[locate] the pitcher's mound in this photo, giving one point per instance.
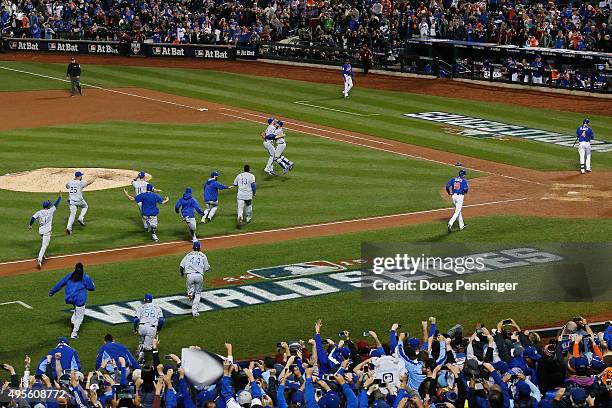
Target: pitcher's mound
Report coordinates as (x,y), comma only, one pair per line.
(54,179)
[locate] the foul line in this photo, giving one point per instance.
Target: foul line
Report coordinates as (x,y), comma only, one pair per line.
(296,228)
(305,103)
(17,302)
(108,90)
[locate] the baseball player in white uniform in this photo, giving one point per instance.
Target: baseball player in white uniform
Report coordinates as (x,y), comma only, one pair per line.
(45,225)
(281,145)
(75,199)
(194,264)
(148,320)
(245,182)
(268,138)
(457,188)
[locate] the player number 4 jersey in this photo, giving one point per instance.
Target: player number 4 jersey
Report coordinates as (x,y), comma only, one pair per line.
(75,190)
(195,262)
(244,181)
(584,134)
(45,220)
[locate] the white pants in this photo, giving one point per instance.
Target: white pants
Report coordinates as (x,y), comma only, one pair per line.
(194,284)
(140,212)
(514,77)
(280,158)
(211,209)
(348,84)
(458,203)
(249,209)
(73,210)
(584,151)
(147,333)
(150,222)
(46,238)
(77,318)
(536,79)
(191,225)
(269,146)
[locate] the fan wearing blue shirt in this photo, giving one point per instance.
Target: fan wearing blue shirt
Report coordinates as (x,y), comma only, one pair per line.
(457,188)
(148,208)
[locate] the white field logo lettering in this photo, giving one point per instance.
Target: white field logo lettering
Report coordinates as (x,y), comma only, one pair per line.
(478,127)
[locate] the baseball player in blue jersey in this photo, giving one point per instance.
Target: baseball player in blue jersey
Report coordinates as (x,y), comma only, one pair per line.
(457,188)
(281,145)
(187,205)
(211,195)
(537,69)
(347,76)
(268,138)
(584,135)
(148,208)
(77,284)
(45,225)
(194,265)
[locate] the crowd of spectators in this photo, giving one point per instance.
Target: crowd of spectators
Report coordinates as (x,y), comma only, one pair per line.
(579,25)
(500,367)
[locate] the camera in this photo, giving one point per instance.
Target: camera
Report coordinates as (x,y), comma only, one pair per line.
(506,322)
(366,334)
(124,391)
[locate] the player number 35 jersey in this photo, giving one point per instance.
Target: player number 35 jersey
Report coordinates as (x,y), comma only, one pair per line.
(149,314)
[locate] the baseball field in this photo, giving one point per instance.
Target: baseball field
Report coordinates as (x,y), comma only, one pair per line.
(370,168)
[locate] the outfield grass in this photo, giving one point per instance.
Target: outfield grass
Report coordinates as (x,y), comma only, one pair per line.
(255,329)
(325,186)
(229,88)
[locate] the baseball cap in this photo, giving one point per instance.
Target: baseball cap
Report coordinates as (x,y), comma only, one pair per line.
(414,343)
(270,120)
(472,366)
(501,366)
(148,298)
(532,353)
(196,245)
(244,398)
(78,174)
(188,190)
(376,353)
(586,121)
(46,204)
(149,187)
(461,172)
(141,174)
(62,340)
(523,389)
(331,400)
(297,398)
(214,173)
(579,363)
(280,123)
(578,396)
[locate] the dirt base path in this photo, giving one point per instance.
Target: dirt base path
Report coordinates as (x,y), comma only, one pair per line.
(506,190)
(437,87)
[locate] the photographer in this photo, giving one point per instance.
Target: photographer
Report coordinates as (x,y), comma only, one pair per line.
(481,394)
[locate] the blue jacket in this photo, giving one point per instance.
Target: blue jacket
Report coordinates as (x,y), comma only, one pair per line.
(149,202)
(76,292)
(188,206)
(112,350)
(211,189)
(70,359)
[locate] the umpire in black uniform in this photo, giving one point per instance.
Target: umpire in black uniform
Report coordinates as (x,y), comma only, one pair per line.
(73,73)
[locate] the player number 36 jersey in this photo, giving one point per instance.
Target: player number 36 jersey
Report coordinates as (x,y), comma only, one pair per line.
(149,314)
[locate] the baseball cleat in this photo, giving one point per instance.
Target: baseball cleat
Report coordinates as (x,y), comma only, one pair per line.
(81,222)
(39,263)
(449,228)
(195,314)
(74,335)
(238,223)
(461,229)
(203,220)
(248,220)
(69,232)
(154,237)
(589,171)
(582,171)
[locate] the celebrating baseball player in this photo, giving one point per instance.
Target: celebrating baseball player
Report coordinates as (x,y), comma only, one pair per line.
(268,143)
(187,205)
(140,186)
(149,319)
(281,145)
(211,195)
(245,182)
(73,73)
(347,76)
(584,135)
(75,199)
(194,264)
(148,208)
(457,188)
(77,284)
(45,225)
